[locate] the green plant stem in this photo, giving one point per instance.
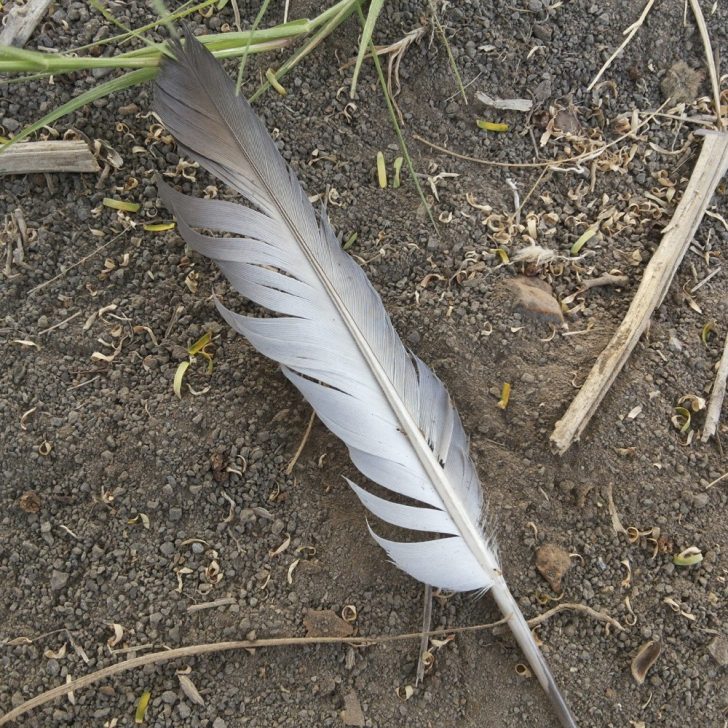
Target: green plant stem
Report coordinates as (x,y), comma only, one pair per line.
(180,13)
(244,57)
(395,123)
(15,60)
(375,8)
(344,9)
(131,78)
(450,57)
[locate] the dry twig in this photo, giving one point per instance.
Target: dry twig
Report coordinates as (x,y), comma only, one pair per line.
(716,481)
(717,395)
(553,164)
(630,33)
(425,641)
(156,658)
(304,440)
(676,238)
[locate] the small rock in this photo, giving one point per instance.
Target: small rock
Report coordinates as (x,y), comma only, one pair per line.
(325,623)
(219,723)
(718,649)
(167,548)
(175,514)
(277,527)
(552,562)
(700,500)
(59,579)
(674,343)
(534,298)
(352,713)
(543,32)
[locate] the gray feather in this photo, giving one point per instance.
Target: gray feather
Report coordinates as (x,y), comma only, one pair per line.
(333,338)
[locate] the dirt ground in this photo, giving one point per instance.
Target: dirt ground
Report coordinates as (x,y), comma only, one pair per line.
(122,504)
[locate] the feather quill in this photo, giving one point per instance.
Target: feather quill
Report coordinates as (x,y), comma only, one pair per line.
(334,340)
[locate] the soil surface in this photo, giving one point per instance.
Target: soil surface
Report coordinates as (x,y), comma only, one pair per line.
(124,507)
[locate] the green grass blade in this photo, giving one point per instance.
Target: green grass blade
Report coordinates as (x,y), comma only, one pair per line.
(450,57)
(244,57)
(344,10)
(98,92)
(366,40)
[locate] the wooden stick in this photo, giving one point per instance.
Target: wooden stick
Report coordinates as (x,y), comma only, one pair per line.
(21,21)
(712,416)
(676,237)
(56,156)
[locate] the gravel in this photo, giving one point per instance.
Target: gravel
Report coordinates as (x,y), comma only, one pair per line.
(122,445)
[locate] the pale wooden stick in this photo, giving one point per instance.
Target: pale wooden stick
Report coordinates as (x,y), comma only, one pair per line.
(677,236)
(55,156)
(712,416)
(21,21)
(709,60)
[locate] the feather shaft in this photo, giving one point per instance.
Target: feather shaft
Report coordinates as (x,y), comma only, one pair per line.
(334,340)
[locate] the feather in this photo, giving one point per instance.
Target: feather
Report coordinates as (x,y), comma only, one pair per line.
(334,340)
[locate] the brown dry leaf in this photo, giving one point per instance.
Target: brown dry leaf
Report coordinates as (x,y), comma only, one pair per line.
(645,659)
(29,502)
(552,562)
(326,623)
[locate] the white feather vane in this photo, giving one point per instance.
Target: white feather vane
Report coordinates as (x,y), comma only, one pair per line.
(333,339)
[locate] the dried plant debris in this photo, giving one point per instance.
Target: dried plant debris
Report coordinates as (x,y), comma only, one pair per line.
(30,502)
(552,562)
(524,105)
(645,659)
(681,84)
